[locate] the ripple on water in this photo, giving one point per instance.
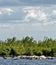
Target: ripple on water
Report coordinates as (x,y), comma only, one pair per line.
(11,61)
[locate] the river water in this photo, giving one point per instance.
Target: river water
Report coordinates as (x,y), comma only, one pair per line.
(11,61)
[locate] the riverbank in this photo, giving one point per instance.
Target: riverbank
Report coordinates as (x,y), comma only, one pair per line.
(29,57)
(35,57)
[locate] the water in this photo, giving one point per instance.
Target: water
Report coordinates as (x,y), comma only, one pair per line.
(11,61)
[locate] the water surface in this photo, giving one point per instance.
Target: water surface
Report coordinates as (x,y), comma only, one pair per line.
(11,61)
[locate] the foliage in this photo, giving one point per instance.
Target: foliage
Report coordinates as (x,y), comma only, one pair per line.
(28,46)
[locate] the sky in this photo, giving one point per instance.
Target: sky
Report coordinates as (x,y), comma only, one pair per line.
(21,18)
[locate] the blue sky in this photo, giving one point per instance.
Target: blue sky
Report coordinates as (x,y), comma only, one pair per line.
(25,2)
(20,18)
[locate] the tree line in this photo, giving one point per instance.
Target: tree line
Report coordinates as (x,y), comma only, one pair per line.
(28,46)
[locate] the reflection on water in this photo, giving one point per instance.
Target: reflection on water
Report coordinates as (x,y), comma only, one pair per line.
(11,61)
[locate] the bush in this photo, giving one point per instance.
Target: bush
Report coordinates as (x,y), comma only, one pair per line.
(12,52)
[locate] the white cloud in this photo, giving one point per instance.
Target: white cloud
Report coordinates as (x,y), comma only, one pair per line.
(8,11)
(5,26)
(54,12)
(44,15)
(41,15)
(0,12)
(35,13)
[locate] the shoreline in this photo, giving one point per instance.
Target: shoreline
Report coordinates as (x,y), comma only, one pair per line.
(28,57)
(35,57)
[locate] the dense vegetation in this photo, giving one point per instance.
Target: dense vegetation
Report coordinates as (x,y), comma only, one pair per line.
(28,46)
